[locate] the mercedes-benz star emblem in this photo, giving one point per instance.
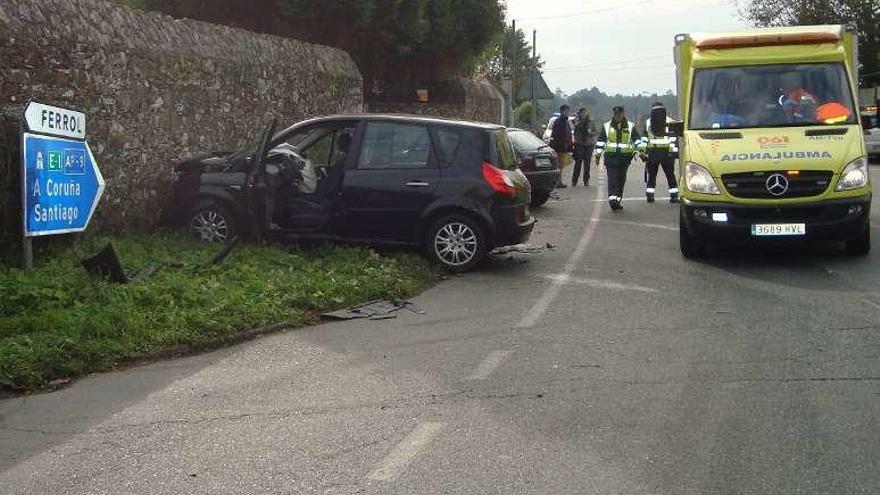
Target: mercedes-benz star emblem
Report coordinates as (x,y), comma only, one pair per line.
(777,184)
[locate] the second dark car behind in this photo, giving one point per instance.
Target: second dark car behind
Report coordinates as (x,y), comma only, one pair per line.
(538,162)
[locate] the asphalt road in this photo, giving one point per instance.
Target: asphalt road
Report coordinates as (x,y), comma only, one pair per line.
(609,365)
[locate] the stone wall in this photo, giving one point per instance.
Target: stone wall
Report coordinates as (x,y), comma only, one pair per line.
(158,90)
(479,101)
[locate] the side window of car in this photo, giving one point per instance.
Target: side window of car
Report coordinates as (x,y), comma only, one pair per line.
(448,142)
(319,151)
(388,145)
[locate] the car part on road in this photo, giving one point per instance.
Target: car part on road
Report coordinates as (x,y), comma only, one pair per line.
(524,249)
(375,310)
(457,242)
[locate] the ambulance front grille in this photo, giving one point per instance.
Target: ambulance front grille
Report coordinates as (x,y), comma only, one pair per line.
(753,185)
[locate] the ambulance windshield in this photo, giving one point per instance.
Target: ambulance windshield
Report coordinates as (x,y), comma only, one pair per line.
(786,95)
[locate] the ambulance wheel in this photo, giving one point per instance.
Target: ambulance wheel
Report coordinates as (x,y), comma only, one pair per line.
(691,248)
(860,245)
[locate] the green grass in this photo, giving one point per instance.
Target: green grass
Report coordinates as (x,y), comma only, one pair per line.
(57,321)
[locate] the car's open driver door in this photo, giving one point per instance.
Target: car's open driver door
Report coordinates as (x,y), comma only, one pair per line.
(260,192)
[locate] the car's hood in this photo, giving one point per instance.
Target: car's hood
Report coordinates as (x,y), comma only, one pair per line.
(794,148)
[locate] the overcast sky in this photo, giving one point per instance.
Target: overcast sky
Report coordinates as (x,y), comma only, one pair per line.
(623,46)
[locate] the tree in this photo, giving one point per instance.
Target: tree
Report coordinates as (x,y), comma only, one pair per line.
(390,40)
(863,14)
(524,115)
(509,54)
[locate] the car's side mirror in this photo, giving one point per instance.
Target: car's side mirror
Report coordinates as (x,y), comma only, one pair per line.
(676,128)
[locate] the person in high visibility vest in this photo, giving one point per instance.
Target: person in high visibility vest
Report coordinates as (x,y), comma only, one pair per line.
(618,142)
(661,150)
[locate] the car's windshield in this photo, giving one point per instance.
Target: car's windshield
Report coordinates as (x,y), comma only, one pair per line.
(771,96)
(525,140)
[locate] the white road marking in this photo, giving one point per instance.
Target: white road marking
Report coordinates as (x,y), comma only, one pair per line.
(640,224)
(540,307)
(394,463)
(601,284)
(603,200)
(490,364)
(871,303)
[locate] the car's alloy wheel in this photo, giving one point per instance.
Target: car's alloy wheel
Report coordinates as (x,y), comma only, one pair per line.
(211,225)
(457,243)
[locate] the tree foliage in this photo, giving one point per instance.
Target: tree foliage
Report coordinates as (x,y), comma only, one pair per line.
(509,54)
(863,14)
(389,39)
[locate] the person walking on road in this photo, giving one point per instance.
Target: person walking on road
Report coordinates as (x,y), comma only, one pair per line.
(584,141)
(561,140)
(617,142)
(660,150)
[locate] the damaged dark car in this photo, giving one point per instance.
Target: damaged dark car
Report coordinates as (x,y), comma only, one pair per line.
(450,188)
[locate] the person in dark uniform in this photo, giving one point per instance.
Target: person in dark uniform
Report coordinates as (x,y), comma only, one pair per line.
(584,141)
(660,150)
(561,140)
(617,142)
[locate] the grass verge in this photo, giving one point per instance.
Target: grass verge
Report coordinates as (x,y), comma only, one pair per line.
(59,322)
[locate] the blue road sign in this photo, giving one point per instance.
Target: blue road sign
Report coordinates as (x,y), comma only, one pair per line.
(61,184)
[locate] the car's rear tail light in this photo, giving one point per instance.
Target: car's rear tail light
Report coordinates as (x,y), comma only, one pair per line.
(498,179)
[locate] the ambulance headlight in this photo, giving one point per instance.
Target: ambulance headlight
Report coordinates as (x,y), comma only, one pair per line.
(854,175)
(699,180)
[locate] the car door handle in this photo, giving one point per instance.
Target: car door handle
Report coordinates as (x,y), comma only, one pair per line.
(418,183)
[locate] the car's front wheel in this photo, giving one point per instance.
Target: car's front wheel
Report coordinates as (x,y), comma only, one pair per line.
(212,222)
(457,242)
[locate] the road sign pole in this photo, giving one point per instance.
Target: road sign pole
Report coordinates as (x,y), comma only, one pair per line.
(27,253)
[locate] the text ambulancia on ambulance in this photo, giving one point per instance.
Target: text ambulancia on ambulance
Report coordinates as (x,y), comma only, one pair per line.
(772,142)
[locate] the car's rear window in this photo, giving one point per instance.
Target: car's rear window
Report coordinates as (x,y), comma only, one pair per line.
(525,140)
(502,155)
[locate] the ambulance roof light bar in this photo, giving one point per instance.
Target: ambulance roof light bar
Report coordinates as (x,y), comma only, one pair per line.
(774,39)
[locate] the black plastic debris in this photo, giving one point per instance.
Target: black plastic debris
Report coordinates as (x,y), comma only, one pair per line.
(377,310)
(106,264)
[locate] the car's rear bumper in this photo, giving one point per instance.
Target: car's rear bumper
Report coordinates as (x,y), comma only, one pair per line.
(543,181)
(513,224)
(837,220)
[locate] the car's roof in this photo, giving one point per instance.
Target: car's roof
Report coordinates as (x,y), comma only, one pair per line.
(400,117)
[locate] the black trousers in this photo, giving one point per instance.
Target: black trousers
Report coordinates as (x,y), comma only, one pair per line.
(583,155)
(657,159)
(616,165)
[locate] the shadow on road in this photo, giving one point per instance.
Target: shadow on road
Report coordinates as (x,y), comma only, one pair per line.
(814,266)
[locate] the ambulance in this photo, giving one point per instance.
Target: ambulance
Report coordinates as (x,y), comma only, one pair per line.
(772,146)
